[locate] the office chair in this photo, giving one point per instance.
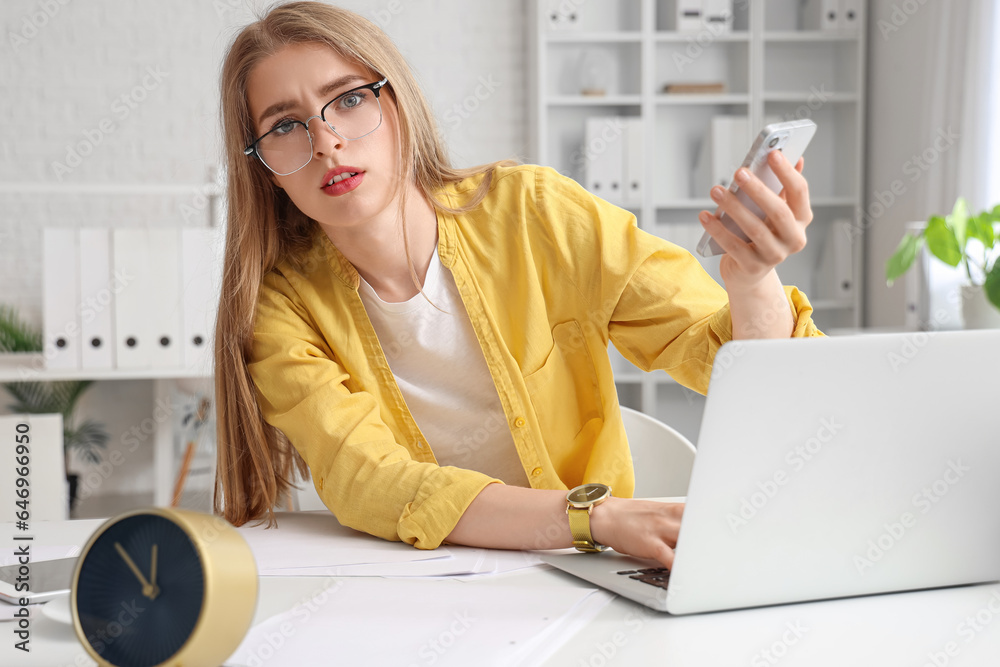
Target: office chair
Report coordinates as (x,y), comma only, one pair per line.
(661,456)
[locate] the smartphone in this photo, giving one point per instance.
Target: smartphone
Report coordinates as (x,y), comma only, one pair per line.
(791,138)
(47,579)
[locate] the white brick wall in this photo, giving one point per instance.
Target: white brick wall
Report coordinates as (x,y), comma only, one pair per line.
(130,87)
(119,91)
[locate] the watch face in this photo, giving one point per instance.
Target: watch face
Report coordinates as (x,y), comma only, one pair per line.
(588,493)
(140,591)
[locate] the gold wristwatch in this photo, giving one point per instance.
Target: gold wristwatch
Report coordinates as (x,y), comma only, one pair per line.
(579,502)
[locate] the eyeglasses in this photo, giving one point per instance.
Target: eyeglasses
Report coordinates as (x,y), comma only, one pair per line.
(288,146)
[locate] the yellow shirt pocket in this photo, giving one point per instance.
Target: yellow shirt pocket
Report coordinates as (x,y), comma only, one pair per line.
(566,395)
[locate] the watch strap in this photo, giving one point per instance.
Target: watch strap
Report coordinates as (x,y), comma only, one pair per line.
(579,527)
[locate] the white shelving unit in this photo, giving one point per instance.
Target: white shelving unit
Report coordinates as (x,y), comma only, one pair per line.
(770,68)
(31,367)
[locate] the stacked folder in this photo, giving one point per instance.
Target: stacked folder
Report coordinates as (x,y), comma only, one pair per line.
(698,15)
(613,159)
(130,298)
(831,14)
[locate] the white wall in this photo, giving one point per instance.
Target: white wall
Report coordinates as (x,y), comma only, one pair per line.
(125,92)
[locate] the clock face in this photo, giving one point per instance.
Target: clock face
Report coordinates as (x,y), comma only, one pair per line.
(140,591)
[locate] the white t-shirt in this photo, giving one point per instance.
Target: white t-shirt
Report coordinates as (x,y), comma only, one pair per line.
(441,371)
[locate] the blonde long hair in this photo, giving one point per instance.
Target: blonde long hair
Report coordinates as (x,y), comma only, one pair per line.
(256,462)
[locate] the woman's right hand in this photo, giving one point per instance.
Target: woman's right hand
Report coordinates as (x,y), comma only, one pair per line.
(640,528)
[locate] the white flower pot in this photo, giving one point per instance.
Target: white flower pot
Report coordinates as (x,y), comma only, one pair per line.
(977,311)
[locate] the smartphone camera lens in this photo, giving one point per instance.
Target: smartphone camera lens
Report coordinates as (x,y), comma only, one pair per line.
(774,142)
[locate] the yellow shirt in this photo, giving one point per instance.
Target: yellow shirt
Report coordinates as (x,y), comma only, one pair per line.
(548,273)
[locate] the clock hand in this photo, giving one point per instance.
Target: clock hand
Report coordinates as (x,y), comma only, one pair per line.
(152,576)
(135,570)
(147,589)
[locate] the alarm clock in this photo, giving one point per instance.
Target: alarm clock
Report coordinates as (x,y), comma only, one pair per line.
(163,587)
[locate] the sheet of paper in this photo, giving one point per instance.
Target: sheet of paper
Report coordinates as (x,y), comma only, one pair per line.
(418,621)
(316,539)
(499,562)
(465,562)
(546,643)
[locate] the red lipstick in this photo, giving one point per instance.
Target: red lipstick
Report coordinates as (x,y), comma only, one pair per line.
(344,181)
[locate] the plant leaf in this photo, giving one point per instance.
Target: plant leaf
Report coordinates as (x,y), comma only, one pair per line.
(992,285)
(981,228)
(15,334)
(87,439)
(33,397)
(70,392)
(39,398)
(941,241)
(958,222)
(902,259)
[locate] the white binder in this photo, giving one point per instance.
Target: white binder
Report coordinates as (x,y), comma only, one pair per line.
(201,280)
(718,15)
(835,271)
(60,299)
(821,15)
(164,306)
(687,15)
(722,151)
(720,154)
(634,173)
(729,146)
(561,16)
(97,290)
(850,14)
(130,258)
(603,157)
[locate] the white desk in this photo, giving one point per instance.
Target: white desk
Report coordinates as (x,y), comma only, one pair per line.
(883,631)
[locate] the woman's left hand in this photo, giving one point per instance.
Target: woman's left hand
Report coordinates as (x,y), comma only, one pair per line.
(782,232)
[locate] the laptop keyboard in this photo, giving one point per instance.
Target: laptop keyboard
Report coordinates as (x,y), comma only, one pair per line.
(654,576)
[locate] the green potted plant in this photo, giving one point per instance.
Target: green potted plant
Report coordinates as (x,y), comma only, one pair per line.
(89,437)
(960,239)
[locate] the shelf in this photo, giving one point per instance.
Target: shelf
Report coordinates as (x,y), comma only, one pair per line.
(708,204)
(696,98)
(833,202)
(30,368)
(673,37)
(811,36)
(45,187)
(583,101)
(832,304)
(811,98)
(705,203)
(593,37)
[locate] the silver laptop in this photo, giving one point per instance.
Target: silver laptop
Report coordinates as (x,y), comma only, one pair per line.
(832,467)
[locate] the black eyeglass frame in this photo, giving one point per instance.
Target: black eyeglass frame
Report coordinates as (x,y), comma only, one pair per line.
(375,87)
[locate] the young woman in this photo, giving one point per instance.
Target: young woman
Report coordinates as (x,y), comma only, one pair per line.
(431,342)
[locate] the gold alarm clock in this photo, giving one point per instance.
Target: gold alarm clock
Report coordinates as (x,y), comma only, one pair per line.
(163,587)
